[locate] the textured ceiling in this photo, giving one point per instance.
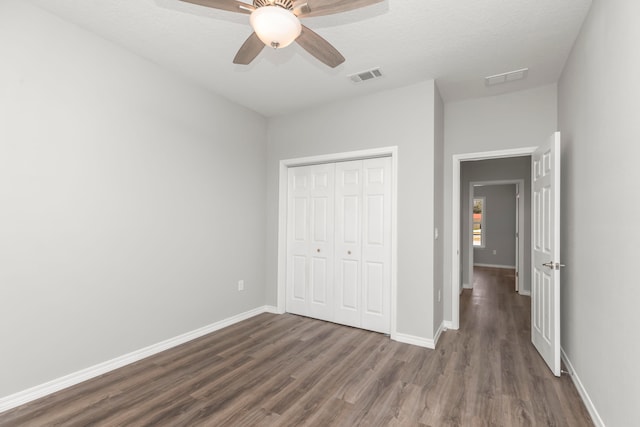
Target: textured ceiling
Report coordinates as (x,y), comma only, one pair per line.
(456,42)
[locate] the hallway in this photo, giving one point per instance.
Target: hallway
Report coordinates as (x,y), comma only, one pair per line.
(505,381)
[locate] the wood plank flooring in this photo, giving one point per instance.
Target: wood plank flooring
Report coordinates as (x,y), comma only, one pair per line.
(293,371)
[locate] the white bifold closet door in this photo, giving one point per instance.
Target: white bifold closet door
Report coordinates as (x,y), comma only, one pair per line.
(339,243)
(310,236)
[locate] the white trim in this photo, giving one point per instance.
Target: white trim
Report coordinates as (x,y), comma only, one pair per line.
(272,309)
(455,245)
(466,286)
(414,340)
(524,293)
(455,221)
(447,324)
(423,342)
(595,416)
(439,332)
(506,267)
(282,218)
(394,241)
(341,157)
(33,393)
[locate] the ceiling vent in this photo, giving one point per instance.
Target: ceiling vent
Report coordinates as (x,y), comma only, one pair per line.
(362,76)
(510,76)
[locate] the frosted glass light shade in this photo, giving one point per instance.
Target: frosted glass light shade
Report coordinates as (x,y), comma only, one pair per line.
(275,26)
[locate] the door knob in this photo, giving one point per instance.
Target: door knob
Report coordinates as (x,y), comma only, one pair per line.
(348,252)
(553,265)
(318,250)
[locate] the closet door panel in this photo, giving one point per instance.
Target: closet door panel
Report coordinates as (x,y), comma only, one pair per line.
(299,278)
(339,243)
(348,231)
(376,245)
(310,216)
(348,297)
(321,283)
(374,291)
(298,240)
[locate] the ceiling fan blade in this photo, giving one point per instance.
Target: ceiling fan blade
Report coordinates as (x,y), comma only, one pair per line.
(310,8)
(319,47)
(249,50)
(230,5)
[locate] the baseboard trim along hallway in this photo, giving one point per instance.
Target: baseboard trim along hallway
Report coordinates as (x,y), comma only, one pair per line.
(595,416)
(414,340)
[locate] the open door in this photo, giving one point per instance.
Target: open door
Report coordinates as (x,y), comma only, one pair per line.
(517,238)
(545,292)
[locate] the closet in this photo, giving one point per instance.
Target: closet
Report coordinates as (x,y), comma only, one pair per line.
(339,243)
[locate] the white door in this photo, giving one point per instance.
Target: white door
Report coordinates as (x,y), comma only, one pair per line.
(348,226)
(376,245)
(545,311)
(339,243)
(517,237)
(363,244)
(310,241)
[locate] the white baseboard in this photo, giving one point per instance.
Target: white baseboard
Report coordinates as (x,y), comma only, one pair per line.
(272,309)
(448,324)
(436,337)
(413,340)
(33,393)
(524,293)
(595,416)
(466,286)
(508,267)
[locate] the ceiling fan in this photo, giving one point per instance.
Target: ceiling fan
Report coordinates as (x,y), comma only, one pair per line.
(276,24)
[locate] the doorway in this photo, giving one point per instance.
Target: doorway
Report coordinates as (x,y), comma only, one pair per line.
(457,270)
(494,217)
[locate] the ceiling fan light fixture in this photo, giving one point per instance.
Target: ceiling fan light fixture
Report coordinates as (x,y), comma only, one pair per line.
(276,27)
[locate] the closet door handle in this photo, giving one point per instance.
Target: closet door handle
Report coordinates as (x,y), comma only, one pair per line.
(348,252)
(318,250)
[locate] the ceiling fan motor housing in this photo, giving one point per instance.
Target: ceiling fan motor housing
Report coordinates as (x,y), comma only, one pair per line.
(285,4)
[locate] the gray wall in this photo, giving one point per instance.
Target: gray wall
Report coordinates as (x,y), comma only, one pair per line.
(514,120)
(598,116)
(118,226)
(496,170)
(500,222)
(403,117)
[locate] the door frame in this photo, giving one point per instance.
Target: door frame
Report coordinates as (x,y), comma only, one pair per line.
(456,285)
(392,152)
(519,183)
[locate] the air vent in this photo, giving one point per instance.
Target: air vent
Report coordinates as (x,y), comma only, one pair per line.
(510,76)
(362,76)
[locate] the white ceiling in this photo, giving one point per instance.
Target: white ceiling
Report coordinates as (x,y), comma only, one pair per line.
(456,42)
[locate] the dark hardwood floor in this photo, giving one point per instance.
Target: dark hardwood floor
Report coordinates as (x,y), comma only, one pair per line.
(289,371)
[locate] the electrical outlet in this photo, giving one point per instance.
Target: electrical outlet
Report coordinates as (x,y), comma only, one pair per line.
(241,285)
(495,252)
